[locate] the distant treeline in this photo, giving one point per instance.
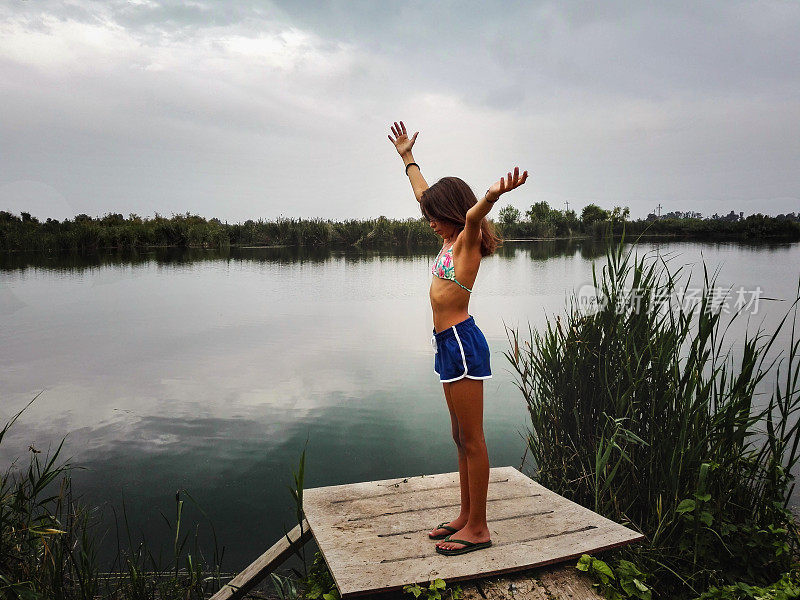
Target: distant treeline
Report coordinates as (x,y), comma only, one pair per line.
(83,233)
(543,221)
(114,231)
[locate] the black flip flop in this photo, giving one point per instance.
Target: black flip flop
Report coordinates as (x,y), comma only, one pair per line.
(468,546)
(442,535)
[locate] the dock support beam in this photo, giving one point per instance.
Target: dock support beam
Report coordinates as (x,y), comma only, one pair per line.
(264,564)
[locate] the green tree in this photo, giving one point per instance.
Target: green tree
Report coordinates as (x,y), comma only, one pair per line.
(540,211)
(509,214)
(619,214)
(592,213)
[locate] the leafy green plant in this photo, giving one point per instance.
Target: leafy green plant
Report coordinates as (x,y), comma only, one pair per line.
(624,581)
(319,582)
(436,590)
(788,586)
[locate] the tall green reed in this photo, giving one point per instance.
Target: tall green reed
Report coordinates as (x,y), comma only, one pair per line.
(297,497)
(315,583)
(638,412)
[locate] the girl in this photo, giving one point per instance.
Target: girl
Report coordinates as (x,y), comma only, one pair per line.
(461,353)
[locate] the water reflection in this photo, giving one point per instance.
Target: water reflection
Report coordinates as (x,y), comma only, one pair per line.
(209,369)
(542,250)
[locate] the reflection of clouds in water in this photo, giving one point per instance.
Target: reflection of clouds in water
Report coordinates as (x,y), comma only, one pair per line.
(204,440)
(150,434)
(106,408)
(118,274)
(303,395)
(261,341)
(210,375)
(185,434)
(285,389)
(9,301)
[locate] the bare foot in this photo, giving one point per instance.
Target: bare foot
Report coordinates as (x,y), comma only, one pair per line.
(456,523)
(476,536)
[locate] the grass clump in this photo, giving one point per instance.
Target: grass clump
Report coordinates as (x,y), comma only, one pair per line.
(638,412)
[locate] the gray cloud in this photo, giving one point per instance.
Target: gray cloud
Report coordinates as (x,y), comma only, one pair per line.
(254,109)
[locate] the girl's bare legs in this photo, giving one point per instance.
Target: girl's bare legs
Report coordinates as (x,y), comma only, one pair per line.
(461,519)
(466,399)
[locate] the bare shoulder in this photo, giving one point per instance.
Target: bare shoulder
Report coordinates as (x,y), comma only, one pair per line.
(469,243)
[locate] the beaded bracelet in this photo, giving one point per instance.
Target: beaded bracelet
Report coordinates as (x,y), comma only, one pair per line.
(412,163)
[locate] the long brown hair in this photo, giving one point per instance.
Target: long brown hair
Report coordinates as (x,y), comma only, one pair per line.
(448,200)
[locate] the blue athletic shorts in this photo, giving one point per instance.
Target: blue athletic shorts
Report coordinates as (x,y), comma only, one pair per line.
(461,351)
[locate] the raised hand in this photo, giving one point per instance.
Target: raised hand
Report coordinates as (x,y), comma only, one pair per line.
(506,184)
(402,141)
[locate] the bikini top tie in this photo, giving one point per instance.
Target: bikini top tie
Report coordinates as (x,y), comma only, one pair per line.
(445,268)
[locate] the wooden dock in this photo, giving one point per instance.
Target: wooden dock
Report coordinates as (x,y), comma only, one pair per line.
(374,535)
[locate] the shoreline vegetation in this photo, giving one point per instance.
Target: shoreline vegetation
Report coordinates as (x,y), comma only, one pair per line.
(642,411)
(113,231)
(637,411)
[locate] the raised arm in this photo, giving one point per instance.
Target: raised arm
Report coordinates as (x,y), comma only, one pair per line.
(475,215)
(403,145)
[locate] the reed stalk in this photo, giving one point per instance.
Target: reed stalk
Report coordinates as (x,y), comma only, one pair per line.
(639,412)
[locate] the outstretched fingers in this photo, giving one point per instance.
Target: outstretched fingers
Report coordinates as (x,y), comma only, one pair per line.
(511,181)
(399,130)
(400,138)
(516,180)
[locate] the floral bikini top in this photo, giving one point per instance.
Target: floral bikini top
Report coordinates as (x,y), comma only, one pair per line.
(444,268)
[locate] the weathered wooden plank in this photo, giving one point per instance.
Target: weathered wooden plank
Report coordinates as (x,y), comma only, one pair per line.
(264,564)
(384,487)
(348,492)
(423,514)
(429,565)
(373,535)
(511,518)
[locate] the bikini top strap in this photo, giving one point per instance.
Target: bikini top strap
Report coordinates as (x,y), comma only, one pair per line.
(454,280)
(438,256)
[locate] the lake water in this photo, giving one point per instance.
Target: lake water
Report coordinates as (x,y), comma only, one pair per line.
(208,370)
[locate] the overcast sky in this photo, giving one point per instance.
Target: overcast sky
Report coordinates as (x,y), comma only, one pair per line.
(241,109)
